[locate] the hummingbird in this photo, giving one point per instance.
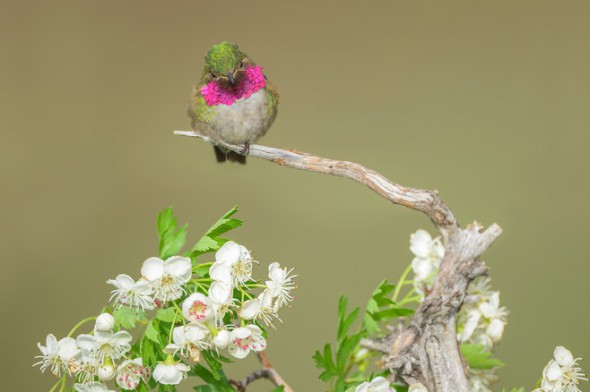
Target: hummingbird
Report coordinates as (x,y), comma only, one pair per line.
(234,102)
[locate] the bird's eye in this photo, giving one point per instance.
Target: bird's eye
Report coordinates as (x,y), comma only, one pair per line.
(212,75)
(241,64)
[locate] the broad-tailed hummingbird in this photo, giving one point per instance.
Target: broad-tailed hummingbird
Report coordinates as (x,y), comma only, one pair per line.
(233,102)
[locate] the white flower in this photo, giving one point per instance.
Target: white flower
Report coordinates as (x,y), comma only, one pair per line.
(167,277)
(481,319)
(221,340)
(562,374)
(104,323)
(103,345)
(280,284)
(134,294)
(170,372)
(428,254)
(86,368)
(58,355)
(233,264)
(92,387)
(480,380)
(220,295)
(378,384)
(189,341)
(196,307)
(244,339)
(417,388)
(130,373)
(106,371)
(260,308)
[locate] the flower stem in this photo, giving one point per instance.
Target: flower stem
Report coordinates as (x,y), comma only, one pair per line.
(401,282)
(58,382)
(80,324)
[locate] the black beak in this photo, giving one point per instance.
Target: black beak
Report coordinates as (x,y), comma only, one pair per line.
(230,76)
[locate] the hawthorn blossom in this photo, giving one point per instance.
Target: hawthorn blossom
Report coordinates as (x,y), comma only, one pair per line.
(220,296)
(104,345)
(428,254)
(92,387)
(170,372)
(480,380)
(378,384)
(131,293)
(244,339)
(233,264)
(104,323)
(221,339)
(58,355)
(197,307)
(280,284)
(481,319)
(86,368)
(260,308)
(189,341)
(130,373)
(167,277)
(562,374)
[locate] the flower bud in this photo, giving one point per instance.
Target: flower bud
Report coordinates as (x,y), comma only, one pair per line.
(221,340)
(105,323)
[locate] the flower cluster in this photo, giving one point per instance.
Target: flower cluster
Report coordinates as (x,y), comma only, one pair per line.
(378,384)
(428,254)
(196,311)
(481,319)
(562,373)
(94,359)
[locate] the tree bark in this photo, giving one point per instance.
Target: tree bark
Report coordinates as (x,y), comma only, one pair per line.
(426,350)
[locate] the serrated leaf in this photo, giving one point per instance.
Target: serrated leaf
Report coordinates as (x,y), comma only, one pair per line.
(205,244)
(148,353)
(342,302)
(372,306)
(345,349)
(224,224)
(172,242)
(370,324)
(346,323)
(280,388)
(166,221)
(127,317)
(389,314)
(168,315)
(478,357)
(152,331)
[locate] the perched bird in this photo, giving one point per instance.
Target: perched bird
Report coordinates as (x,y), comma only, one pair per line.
(233,102)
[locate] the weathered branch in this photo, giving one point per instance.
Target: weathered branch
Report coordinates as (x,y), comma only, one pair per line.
(267,372)
(426,350)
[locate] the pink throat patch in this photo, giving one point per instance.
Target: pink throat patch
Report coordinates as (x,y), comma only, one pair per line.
(253,81)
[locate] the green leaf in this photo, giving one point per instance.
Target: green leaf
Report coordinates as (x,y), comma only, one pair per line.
(280,388)
(345,350)
(171,240)
(346,323)
(148,352)
(126,317)
(166,221)
(224,224)
(370,324)
(168,315)
(204,245)
(152,331)
(166,388)
(392,313)
(478,358)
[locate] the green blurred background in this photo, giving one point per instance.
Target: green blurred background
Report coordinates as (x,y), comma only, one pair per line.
(489,102)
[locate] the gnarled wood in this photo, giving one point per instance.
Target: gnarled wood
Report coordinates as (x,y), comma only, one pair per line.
(426,350)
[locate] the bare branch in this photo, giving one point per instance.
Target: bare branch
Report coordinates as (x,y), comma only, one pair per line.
(426,350)
(267,372)
(426,201)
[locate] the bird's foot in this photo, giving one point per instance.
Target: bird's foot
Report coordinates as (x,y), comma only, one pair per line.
(245,150)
